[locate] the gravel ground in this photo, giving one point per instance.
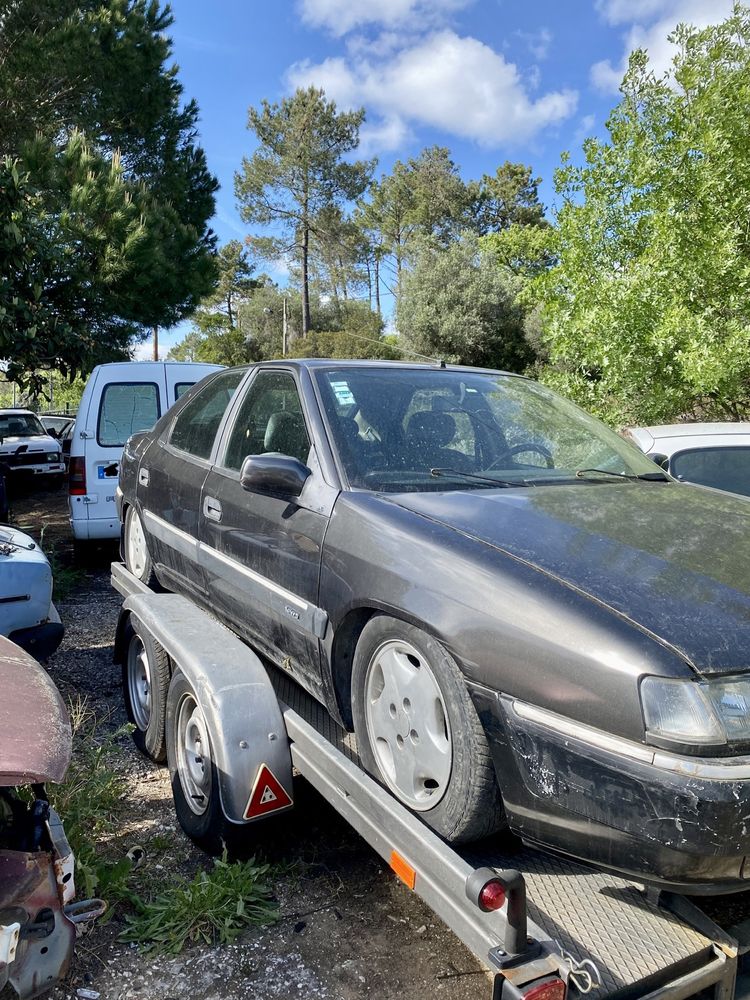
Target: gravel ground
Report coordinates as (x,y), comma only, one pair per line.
(347,929)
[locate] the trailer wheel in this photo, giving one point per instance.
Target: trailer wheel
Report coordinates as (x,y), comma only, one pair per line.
(195,782)
(137,558)
(419,733)
(145,680)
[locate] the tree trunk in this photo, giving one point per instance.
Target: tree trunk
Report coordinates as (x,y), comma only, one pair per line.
(229,312)
(369,283)
(377,285)
(305,266)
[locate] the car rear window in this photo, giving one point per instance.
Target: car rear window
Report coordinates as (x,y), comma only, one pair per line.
(181,388)
(725,468)
(125,409)
(195,428)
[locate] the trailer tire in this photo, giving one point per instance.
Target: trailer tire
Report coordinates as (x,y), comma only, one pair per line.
(137,557)
(145,682)
(418,732)
(193,774)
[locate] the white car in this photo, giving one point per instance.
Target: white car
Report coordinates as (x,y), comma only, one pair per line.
(716,455)
(27,614)
(26,448)
(119,399)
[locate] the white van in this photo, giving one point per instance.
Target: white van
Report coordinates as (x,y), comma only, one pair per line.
(120,399)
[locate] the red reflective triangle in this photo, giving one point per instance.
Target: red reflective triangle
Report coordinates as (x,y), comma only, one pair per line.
(267,796)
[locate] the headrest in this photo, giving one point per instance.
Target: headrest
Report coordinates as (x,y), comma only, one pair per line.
(431,428)
(286,434)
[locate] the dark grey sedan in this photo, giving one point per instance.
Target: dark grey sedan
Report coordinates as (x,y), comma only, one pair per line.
(524,621)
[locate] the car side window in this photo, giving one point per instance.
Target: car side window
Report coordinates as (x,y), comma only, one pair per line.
(195,428)
(269,419)
(125,409)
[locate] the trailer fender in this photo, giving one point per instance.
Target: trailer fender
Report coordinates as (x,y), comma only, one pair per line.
(234,692)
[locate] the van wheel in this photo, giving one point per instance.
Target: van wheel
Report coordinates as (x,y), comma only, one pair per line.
(195,781)
(145,681)
(419,733)
(137,558)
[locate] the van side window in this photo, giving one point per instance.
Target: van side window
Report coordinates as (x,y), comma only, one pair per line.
(195,428)
(181,388)
(126,408)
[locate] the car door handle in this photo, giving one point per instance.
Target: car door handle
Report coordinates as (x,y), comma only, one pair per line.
(143,477)
(211,509)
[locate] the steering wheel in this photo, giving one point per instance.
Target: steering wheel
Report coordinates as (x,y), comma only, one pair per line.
(519,449)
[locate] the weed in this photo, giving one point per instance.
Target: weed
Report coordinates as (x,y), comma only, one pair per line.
(65,578)
(90,802)
(215,907)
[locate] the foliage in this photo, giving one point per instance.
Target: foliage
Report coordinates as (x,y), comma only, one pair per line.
(509,198)
(459,306)
(648,308)
(360,335)
(214,907)
(298,172)
(104,194)
(235,282)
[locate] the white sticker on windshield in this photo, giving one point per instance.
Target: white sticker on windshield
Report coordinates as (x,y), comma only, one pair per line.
(344,395)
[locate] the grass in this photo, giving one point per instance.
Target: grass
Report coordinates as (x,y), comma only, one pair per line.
(215,907)
(65,578)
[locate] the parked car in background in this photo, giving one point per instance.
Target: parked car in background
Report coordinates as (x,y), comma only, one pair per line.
(27,450)
(38,915)
(714,454)
(60,426)
(521,617)
(119,399)
(27,614)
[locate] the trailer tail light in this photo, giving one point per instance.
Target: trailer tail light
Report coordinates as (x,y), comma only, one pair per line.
(492,896)
(552,989)
(77,477)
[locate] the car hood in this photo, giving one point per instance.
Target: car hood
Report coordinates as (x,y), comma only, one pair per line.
(36,743)
(672,559)
(40,442)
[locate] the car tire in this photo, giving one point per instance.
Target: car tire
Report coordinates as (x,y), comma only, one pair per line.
(145,682)
(193,774)
(418,732)
(137,557)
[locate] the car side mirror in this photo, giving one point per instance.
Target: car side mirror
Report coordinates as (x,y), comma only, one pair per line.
(276,475)
(661,460)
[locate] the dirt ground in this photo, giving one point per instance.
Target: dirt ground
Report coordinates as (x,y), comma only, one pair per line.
(347,929)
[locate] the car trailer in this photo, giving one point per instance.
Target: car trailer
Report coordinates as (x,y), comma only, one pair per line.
(543,926)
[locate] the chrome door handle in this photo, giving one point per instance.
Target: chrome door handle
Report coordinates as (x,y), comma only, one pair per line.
(143,477)
(211,509)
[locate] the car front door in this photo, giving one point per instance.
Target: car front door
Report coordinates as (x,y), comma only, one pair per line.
(170,480)
(261,553)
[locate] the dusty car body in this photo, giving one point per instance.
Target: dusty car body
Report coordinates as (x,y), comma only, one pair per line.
(28,615)
(37,913)
(365,525)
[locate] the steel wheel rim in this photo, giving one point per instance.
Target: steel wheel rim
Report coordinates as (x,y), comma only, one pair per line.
(407,725)
(137,551)
(139,683)
(193,755)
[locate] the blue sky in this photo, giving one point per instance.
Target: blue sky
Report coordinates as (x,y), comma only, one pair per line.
(490,79)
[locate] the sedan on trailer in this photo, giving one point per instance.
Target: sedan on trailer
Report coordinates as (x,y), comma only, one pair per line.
(716,455)
(524,621)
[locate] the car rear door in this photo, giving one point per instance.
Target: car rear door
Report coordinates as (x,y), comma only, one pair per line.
(170,479)
(262,554)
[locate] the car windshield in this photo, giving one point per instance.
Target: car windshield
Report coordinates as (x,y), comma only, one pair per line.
(434,429)
(20,425)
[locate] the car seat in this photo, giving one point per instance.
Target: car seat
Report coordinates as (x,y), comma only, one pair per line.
(286,434)
(427,434)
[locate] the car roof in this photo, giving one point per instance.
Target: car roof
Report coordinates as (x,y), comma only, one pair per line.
(16,411)
(313,363)
(695,429)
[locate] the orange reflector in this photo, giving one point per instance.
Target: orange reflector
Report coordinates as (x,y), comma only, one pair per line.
(553,989)
(403,869)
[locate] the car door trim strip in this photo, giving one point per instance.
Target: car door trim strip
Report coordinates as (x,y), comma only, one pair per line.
(287,605)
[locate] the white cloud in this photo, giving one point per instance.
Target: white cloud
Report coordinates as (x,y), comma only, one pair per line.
(457,84)
(585,127)
(651,22)
(537,42)
(341,16)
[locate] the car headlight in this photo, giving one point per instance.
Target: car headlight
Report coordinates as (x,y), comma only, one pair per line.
(53,458)
(702,713)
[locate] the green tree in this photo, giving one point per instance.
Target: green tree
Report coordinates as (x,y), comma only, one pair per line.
(299,170)
(508,198)
(235,281)
(647,312)
(458,305)
(105,196)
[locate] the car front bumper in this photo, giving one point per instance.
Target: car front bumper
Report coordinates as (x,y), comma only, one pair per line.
(679,822)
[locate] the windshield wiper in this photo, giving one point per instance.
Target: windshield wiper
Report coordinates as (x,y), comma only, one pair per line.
(480,479)
(648,477)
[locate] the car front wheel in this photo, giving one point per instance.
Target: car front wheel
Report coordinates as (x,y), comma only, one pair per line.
(137,558)
(419,733)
